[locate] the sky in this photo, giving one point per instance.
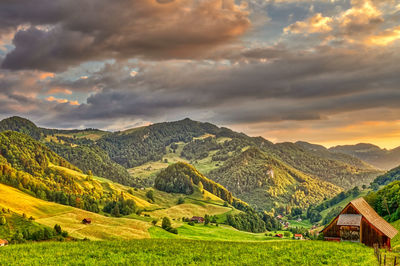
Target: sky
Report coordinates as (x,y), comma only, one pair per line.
(323,71)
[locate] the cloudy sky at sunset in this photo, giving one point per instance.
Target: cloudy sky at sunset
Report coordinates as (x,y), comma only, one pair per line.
(324,71)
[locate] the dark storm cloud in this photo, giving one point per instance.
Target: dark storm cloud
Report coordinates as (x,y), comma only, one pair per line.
(290,86)
(64,33)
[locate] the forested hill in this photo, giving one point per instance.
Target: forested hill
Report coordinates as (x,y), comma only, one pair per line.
(76,146)
(146,150)
(22,125)
(182,178)
(268,183)
(372,154)
(31,167)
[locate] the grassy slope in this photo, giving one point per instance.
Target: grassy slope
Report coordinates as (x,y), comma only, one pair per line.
(70,218)
(151,169)
(344,202)
(106,228)
(172,252)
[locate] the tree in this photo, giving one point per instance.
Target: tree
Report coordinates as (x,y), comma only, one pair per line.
(154,222)
(166,223)
(181,200)
(58,229)
(116,212)
(150,194)
(3,220)
(206,219)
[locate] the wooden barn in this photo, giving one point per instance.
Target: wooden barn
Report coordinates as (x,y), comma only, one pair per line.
(197,219)
(3,242)
(358,222)
(87,221)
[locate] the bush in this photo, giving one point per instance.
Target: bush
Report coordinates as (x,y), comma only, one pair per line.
(191,223)
(150,195)
(3,220)
(166,223)
(181,200)
(173,230)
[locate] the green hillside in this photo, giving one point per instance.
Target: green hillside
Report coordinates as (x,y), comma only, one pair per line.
(134,157)
(268,183)
(33,168)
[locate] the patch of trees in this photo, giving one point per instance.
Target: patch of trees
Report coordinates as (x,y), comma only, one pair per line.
(90,157)
(199,149)
(120,207)
(249,221)
(166,225)
(386,201)
(181,178)
(388,177)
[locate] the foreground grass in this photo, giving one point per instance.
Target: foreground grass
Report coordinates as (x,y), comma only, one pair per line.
(209,232)
(172,252)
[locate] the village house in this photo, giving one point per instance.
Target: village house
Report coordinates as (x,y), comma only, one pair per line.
(87,221)
(298,236)
(3,242)
(358,222)
(197,219)
(279,235)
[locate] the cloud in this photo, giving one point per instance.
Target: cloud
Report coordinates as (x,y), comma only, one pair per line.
(317,23)
(63,33)
(366,22)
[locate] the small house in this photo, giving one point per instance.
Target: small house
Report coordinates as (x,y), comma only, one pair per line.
(197,219)
(3,242)
(358,222)
(279,217)
(279,235)
(298,236)
(87,221)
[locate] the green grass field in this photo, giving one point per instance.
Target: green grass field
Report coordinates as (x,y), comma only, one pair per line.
(188,252)
(209,232)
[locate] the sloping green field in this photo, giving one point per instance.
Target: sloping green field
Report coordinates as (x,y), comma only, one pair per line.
(188,252)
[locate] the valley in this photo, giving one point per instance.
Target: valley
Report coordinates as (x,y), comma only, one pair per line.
(127,183)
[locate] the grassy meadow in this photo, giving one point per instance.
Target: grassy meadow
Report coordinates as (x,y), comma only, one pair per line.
(188,252)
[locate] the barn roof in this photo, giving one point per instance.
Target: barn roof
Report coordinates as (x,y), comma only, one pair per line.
(366,210)
(349,219)
(3,241)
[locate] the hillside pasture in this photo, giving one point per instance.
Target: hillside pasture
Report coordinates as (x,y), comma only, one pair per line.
(70,219)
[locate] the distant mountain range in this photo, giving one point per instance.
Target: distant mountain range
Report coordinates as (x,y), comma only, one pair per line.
(372,154)
(264,174)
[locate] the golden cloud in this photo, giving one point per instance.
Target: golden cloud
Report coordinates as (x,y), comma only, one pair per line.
(60,100)
(315,24)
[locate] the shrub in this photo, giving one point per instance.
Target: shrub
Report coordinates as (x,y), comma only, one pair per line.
(181,200)
(166,223)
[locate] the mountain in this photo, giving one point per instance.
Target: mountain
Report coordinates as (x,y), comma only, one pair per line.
(341,169)
(372,154)
(267,183)
(388,177)
(22,125)
(77,146)
(134,157)
(33,168)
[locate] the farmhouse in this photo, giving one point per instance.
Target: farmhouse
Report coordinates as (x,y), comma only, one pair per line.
(358,222)
(87,221)
(197,219)
(3,242)
(298,236)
